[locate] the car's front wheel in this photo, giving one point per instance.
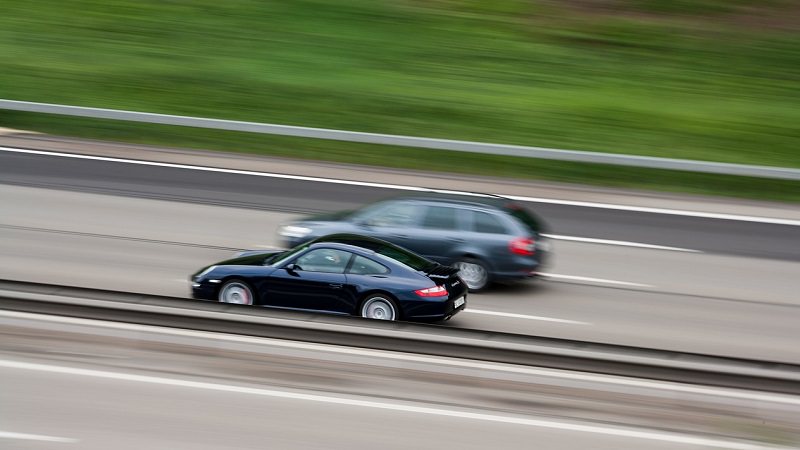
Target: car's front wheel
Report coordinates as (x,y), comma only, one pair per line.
(236,292)
(474,272)
(380,307)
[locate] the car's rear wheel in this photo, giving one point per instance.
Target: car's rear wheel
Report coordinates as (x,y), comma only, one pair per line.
(236,292)
(379,307)
(474,272)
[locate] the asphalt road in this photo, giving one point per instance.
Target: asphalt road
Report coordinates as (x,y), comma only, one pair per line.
(697,302)
(99,385)
(287,195)
(144,229)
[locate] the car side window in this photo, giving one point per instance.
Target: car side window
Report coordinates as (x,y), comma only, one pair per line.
(366,266)
(393,215)
(440,218)
(487,223)
(328,260)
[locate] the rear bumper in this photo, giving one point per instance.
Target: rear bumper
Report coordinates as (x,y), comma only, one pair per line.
(518,267)
(517,272)
(426,311)
(515,276)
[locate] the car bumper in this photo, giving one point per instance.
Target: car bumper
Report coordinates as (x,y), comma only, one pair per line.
(203,291)
(427,311)
(519,267)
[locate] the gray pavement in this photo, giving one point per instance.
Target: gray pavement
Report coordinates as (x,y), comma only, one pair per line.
(703,303)
(244,161)
(145,229)
(294,195)
(95,385)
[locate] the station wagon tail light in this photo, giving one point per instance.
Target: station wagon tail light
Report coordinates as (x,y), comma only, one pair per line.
(436,291)
(522,246)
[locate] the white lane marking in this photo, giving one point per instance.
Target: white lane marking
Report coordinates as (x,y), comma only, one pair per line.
(34,437)
(666,211)
(401,407)
(556,276)
(431,360)
(559,237)
(400,187)
(522,316)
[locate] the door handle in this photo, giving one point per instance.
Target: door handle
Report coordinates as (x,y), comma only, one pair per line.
(336,285)
(455,239)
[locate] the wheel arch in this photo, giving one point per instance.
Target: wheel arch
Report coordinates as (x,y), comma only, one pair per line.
(236,277)
(488,267)
(364,296)
(477,256)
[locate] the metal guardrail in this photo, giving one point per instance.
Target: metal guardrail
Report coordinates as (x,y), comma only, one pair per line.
(411,141)
(399,336)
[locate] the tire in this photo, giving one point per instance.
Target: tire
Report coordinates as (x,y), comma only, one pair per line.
(379,307)
(236,292)
(475,274)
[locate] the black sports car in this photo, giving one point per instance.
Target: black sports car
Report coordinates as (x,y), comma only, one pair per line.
(340,274)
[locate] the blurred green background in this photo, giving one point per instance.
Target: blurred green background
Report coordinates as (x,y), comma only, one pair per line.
(698,79)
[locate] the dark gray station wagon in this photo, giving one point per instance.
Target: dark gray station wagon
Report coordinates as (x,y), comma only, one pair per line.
(488,238)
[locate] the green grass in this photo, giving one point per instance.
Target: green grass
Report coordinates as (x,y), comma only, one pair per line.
(684,83)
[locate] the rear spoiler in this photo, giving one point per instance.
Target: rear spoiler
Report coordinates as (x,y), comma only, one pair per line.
(440,271)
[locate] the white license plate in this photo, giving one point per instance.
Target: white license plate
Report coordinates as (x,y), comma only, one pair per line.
(458,302)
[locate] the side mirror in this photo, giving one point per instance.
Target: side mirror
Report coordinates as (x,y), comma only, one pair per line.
(292,267)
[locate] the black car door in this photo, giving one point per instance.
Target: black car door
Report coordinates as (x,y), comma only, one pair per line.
(314,280)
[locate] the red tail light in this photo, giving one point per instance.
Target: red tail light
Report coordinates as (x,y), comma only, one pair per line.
(522,246)
(436,291)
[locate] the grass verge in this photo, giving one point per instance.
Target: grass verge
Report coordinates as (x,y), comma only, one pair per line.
(706,79)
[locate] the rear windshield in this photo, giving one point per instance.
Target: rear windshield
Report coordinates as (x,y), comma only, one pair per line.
(525,217)
(392,251)
(398,254)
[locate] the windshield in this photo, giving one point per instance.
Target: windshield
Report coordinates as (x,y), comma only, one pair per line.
(366,212)
(280,257)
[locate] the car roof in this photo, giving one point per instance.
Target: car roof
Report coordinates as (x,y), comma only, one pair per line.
(350,241)
(491,201)
(340,246)
(477,199)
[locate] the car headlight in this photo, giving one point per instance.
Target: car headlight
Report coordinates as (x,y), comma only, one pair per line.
(294,231)
(203,273)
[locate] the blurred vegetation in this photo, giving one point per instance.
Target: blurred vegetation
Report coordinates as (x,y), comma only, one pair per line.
(698,79)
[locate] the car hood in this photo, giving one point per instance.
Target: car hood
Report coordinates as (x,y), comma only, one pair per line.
(248,259)
(328,217)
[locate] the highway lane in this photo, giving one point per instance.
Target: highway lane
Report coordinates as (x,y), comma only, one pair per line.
(681,301)
(761,240)
(96,385)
